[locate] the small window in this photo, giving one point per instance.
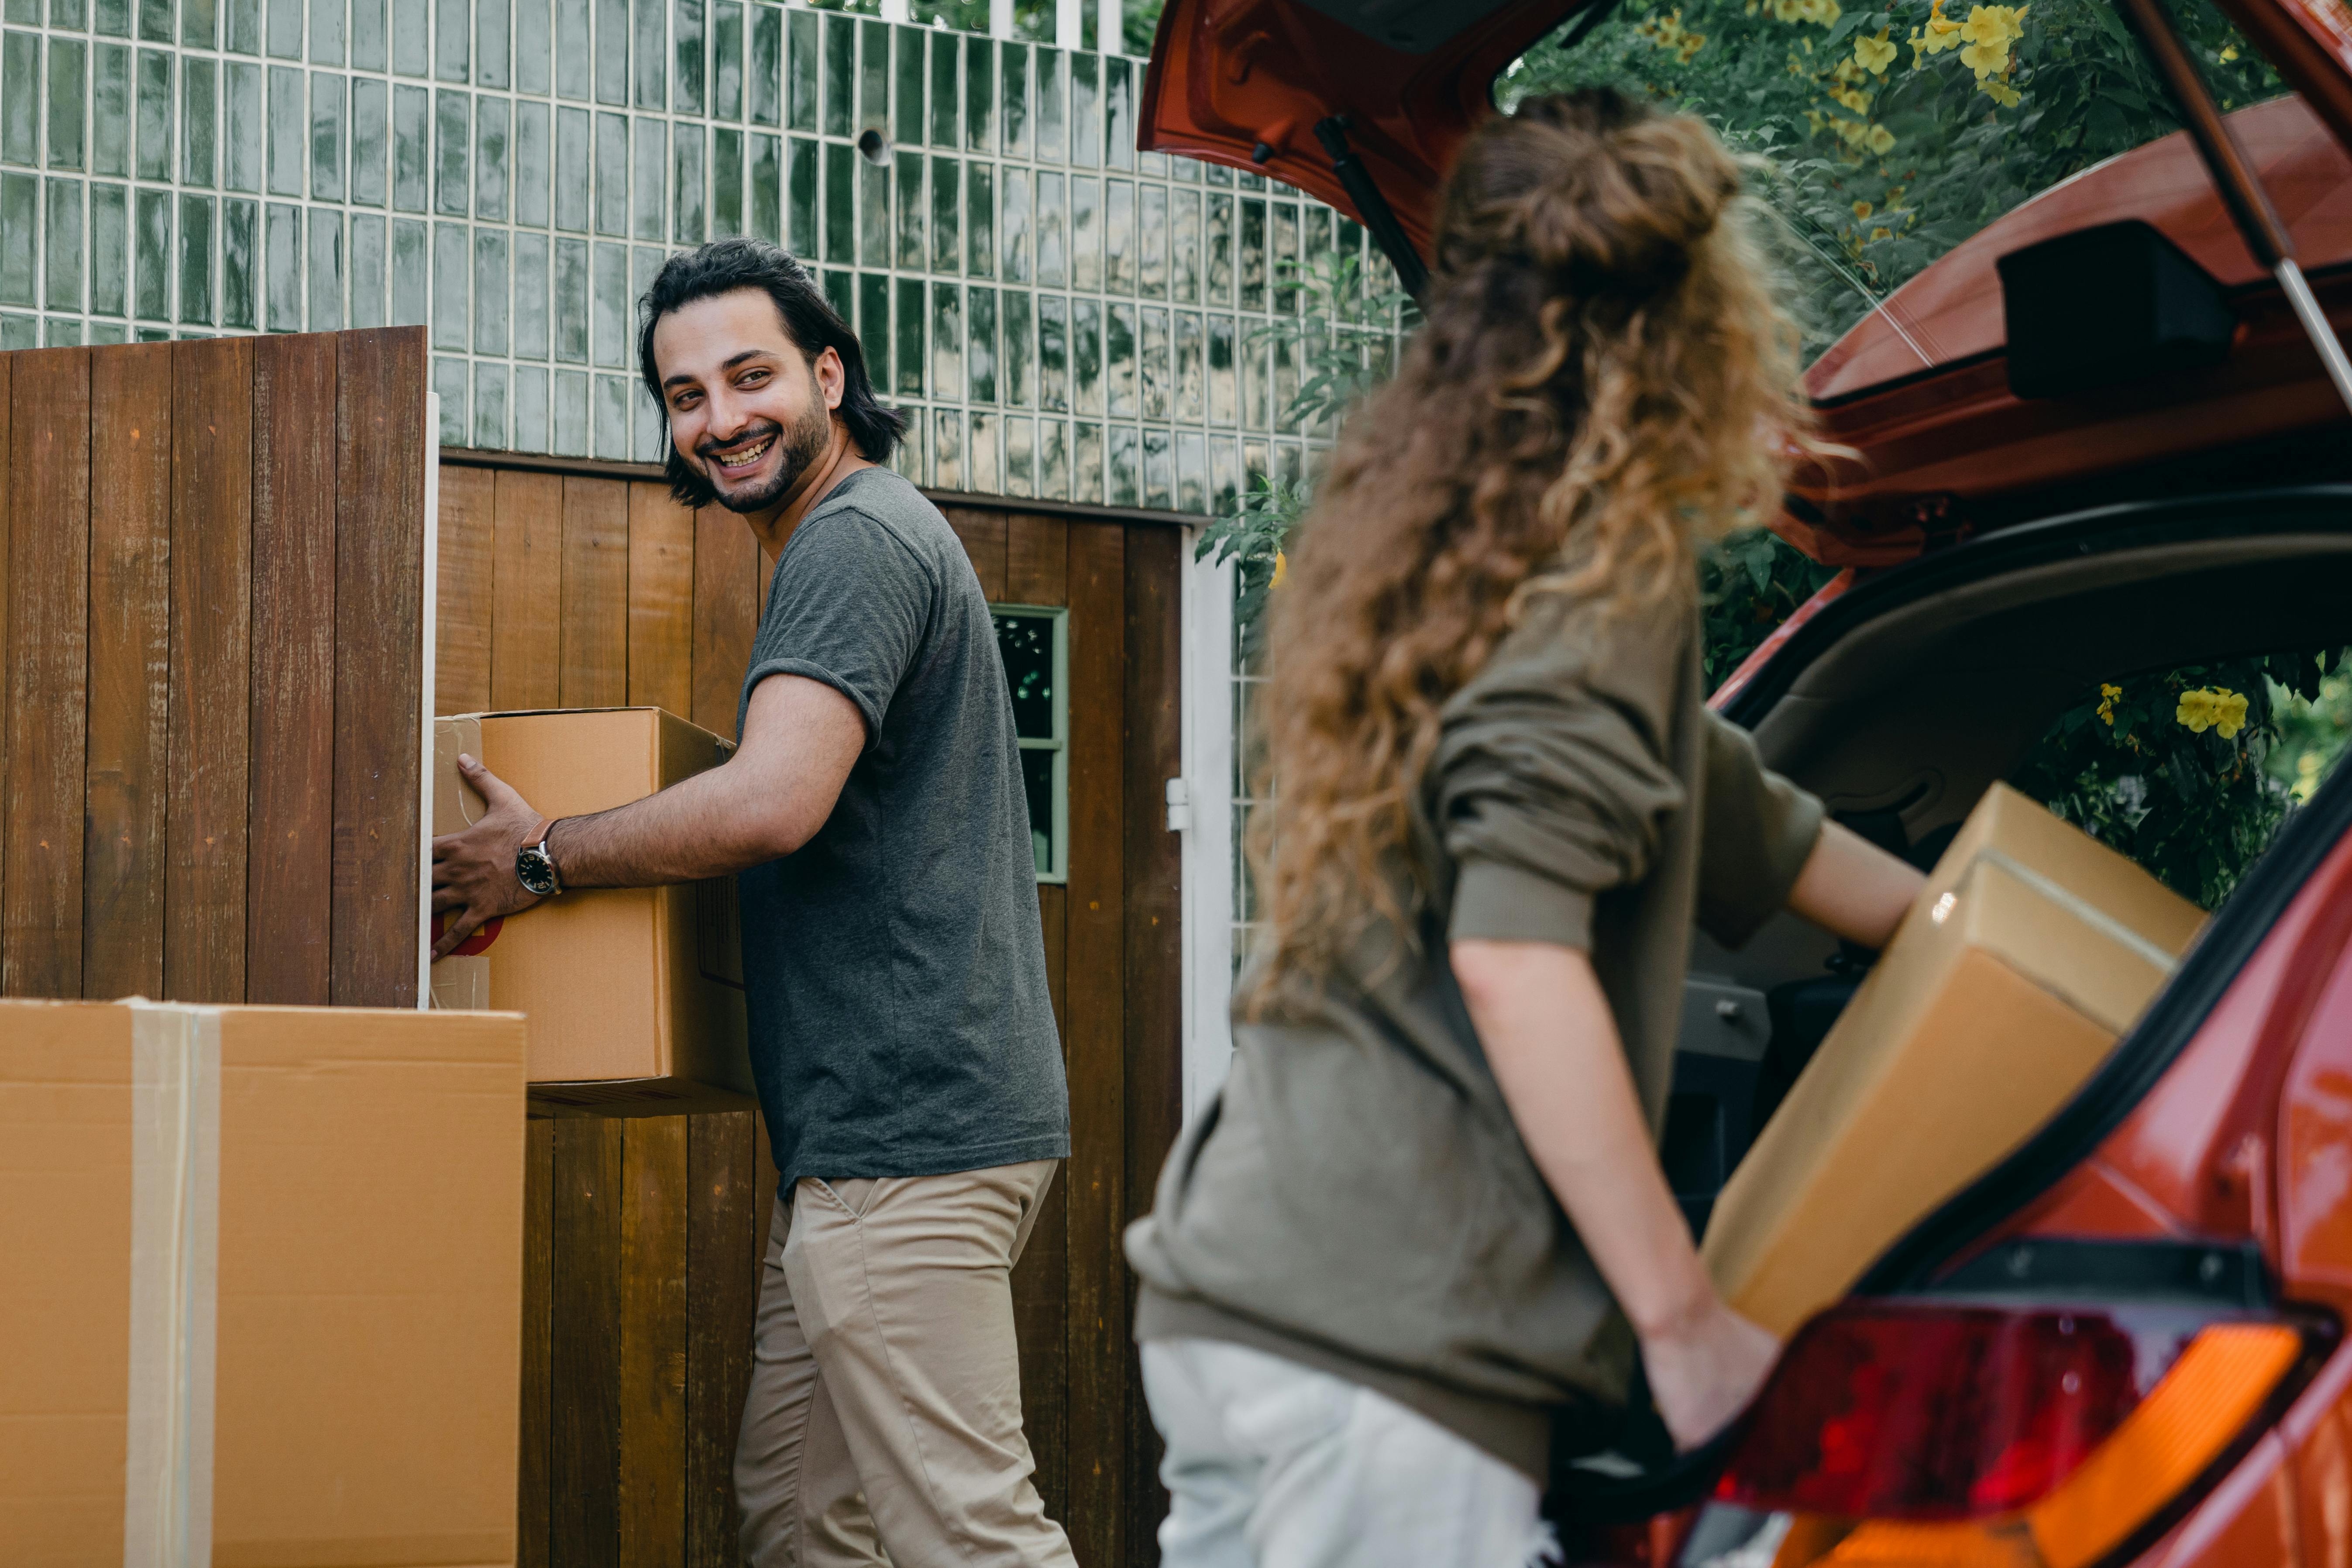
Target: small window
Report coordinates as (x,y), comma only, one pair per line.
(1035,644)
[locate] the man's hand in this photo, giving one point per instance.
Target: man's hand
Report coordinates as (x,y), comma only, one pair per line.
(474,872)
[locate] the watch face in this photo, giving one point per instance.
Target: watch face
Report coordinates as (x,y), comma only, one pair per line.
(534,870)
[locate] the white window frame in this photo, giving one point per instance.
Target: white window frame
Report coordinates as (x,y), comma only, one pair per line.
(1059,873)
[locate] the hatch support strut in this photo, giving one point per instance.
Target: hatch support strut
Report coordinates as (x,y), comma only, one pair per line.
(2233,175)
(1412,276)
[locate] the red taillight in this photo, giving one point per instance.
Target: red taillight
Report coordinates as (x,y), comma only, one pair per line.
(1940,1436)
(1903,1414)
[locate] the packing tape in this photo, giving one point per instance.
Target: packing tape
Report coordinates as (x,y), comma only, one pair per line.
(174,1276)
(2082,910)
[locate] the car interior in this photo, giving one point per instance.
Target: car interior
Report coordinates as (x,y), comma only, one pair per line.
(1920,690)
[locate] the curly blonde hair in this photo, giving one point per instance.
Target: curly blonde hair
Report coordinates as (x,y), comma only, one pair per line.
(1606,381)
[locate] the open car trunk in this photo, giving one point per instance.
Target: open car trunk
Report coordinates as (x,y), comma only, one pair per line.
(1907,697)
(1905,701)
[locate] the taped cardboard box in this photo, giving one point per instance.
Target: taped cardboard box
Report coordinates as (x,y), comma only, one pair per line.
(635,994)
(262,1295)
(2033,948)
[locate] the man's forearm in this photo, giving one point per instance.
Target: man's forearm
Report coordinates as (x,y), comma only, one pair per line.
(698,827)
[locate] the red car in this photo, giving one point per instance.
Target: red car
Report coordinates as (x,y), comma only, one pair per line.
(2124,1341)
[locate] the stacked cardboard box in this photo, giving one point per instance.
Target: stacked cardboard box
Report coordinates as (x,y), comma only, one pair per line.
(260,1285)
(2032,948)
(635,994)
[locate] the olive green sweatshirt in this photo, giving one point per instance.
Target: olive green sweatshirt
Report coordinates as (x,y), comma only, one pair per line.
(1357,1196)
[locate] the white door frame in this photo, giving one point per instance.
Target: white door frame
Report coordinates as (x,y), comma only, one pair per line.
(1207,753)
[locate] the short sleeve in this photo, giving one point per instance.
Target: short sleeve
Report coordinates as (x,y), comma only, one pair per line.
(1550,787)
(1758,831)
(849,606)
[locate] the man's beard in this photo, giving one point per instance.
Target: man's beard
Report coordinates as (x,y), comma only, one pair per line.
(800,447)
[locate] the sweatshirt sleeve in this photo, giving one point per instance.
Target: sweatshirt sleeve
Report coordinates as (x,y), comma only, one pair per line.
(1550,787)
(1758,831)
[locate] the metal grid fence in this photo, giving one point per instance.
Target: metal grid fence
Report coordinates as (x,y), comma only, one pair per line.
(1062,316)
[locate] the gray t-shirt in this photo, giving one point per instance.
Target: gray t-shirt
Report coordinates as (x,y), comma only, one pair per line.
(896,970)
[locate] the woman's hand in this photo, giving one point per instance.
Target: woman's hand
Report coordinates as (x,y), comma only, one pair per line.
(1704,1374)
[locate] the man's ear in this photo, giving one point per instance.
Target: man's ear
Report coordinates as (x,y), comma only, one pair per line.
(831,378)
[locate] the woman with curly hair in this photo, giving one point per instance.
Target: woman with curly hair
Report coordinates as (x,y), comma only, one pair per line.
(1425,1215)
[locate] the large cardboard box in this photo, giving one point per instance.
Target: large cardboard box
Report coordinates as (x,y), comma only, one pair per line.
(260,1285)
(2032,948)
(634,995)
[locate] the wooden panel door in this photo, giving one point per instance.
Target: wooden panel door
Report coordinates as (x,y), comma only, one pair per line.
(1113,948)
(576,588)
(212,610)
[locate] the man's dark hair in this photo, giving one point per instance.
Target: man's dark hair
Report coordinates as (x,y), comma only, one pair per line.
(724,265)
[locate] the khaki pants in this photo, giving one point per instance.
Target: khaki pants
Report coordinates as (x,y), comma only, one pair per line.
(883,1423)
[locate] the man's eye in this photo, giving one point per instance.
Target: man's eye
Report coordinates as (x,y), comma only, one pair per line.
(752,378)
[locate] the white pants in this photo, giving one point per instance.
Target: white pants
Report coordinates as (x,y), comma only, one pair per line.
(1273,1464)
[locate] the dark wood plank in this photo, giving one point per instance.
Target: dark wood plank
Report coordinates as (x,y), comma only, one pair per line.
(48,675)
(534,1499)
(1095,1036)
(721,1306)
(129,673)
(526,573)
(1037,559)
(1041,1280)
(661,601)
(653,1369)
(1041,1321)
(379,697)
(212,671)
(465,611)
(585,1344)
(727,590)
(295,496)
(983,533)
(1153,960)
(595,667)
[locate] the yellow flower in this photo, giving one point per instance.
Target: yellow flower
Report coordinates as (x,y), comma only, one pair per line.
(1874,55)
(1281,569)
(1985,59)
(2306,775)
(1879,140)
(2107,695)
(2229,53)
(1940,34)
(1861,209)
(1853,98)
(2001,92)
(1882,233)
(2212,708)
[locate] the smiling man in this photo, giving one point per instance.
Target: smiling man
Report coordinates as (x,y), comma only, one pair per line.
(902,1036)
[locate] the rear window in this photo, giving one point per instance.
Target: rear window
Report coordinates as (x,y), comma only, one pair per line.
(1896,132)
(2192,771)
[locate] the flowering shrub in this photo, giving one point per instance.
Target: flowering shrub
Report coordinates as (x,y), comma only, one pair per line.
(2191,771)
(1896,131)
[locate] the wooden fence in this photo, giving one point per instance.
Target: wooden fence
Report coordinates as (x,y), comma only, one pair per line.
(214,556)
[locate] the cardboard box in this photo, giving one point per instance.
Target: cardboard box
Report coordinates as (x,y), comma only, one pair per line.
(634,995)
(261,1301)
(2032,948)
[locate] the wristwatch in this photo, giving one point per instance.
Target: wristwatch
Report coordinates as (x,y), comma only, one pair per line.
(535,869)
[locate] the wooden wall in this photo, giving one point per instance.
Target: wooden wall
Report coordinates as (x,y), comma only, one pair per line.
(587,588)
(213,558)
